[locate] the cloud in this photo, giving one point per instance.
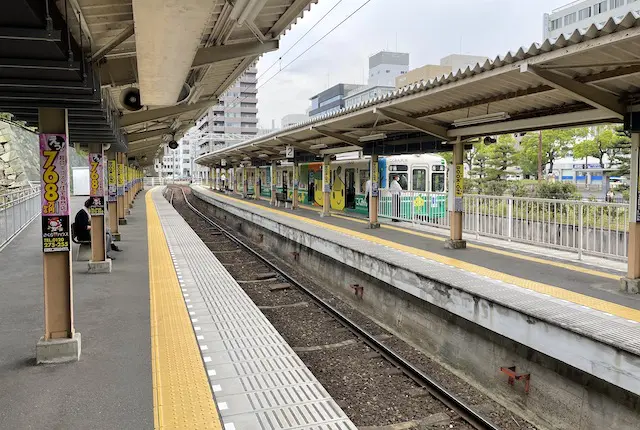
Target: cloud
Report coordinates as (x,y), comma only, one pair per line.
(427,29)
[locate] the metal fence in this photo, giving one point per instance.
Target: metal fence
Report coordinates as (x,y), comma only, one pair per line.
(594,228)
(154,180)
(17,209)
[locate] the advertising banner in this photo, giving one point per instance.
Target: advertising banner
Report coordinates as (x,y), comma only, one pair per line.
(113,181)
(459,190)
(54,178)
(120,180)
(326,177)
(96,183)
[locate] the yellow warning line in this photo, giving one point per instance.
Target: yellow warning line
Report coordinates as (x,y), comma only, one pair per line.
(560,293)
(182,397)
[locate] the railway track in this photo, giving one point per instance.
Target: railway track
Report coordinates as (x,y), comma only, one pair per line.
(457,409)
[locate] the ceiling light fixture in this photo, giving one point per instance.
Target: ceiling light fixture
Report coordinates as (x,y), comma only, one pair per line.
(482,119)
(372,137)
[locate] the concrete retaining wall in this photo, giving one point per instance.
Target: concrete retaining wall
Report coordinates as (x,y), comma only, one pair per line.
(419,309)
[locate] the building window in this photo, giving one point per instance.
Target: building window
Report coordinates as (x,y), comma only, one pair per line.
(616,3)
(556,24)
(584,13)
(600,7)
(570,19)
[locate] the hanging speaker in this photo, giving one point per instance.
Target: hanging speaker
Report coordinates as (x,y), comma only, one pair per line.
(130,99)
(184,93)
(173,144)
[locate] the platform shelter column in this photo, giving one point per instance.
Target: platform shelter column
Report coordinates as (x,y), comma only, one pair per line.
(632,282)
(296,185)
(128,191)
(256,183)
(374,174)
(99,262)
(112,203)
(60,342)
(245,182)
(211,177)
(326,186)
(121,197)
(273,183)
(456,205)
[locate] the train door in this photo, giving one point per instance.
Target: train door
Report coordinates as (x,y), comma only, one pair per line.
(350,183)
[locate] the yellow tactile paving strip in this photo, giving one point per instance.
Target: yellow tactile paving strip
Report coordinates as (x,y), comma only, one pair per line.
(557,292)
(182,397)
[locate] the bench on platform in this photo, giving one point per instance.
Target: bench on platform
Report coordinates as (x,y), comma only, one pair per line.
(84,250)
(282,198)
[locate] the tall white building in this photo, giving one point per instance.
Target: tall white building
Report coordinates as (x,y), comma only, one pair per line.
(579,15)
(384,68)
(234,118)
(176,163)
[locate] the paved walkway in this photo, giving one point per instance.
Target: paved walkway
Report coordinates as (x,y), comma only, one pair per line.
(111,386)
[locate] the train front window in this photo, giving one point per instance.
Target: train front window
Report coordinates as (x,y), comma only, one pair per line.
(437,182)
(419,180)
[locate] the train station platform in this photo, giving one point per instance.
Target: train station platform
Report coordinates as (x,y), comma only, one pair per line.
(170,341)
(569,311)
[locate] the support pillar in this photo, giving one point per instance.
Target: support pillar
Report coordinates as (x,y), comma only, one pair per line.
(326,186)
(60,342)
(99,262)
(112,205)
(456,206)
(631,283)
(211,176)
(274,189)
(256,183)
(121,196)
(128,189)
(245,182)
(296,185)
(374,174)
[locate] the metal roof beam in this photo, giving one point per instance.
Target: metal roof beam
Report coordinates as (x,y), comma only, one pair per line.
(340,150)
(531,124)
(339,136)
(429,128)
(142,135)
(288,17)
(213,54)
(113,43)
(589,94)
(152,114)
(295,144)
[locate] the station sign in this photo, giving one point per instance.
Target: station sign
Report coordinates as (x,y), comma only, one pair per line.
(326,177)
(54,193)
(120,188)
(96,183)
(459,188)
(290,152)
(375,179)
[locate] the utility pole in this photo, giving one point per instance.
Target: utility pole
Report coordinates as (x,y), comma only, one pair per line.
(540,156)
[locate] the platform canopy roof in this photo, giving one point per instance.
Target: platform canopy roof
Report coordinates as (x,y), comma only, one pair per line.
(181,55)
(590,77)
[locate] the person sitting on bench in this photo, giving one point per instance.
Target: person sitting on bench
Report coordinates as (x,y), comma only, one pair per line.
(83,228)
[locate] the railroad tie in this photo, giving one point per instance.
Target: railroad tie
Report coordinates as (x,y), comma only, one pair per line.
(280,287)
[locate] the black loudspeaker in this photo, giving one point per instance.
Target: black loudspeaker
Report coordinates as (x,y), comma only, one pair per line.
(173,144)
(130,99)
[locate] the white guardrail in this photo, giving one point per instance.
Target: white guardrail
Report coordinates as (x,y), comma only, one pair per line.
(594,228)
(17,209)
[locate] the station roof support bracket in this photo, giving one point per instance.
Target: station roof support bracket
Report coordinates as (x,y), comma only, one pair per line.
(142,135)
(589,94)
(339,136)
(153,114)
(126,33)
(432,129)
(213,54)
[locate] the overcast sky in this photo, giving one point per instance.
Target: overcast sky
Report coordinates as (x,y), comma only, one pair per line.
(427,29)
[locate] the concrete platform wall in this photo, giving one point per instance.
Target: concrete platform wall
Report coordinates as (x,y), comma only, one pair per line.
(419,309)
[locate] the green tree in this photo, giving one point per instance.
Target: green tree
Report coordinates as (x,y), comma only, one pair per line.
(480,158)
(603,141)
(621,155)
(555,145)
(501,156)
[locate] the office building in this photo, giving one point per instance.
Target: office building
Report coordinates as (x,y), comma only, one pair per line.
(330,100)
(449,64)
(293,119)
(176,163)
(234,118)
(384,68)
(580,15)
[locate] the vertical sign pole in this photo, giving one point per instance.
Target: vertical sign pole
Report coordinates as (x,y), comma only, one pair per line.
(375,192)
(326,186)
(457,208)
(113,198)
(121,202)
(98,263)
(273,183)
(60,342)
